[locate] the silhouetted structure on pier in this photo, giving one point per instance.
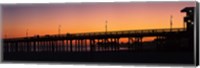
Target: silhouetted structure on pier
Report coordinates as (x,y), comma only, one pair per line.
(189,18)
(189,21)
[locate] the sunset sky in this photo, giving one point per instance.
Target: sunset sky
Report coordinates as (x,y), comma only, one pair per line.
(42,19)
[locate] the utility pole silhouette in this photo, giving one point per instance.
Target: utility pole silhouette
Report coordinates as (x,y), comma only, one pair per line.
(26,32)
(59,30)
(106,26)
(171,22)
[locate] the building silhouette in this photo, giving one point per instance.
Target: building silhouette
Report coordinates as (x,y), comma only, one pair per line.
(189,18)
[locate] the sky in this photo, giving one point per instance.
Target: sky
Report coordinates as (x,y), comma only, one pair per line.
(20,20)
